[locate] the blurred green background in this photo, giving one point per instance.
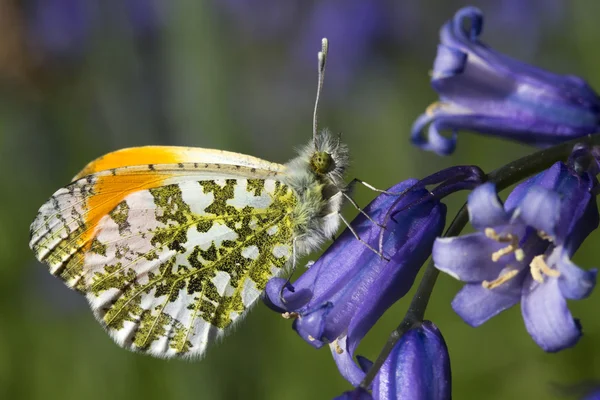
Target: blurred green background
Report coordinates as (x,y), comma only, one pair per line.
(80,78)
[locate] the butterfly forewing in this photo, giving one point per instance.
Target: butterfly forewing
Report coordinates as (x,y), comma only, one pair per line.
(168,261)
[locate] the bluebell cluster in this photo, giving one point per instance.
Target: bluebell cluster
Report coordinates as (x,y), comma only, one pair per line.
(520,252)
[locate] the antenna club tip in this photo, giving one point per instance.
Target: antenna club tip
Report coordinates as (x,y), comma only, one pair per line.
(324,45)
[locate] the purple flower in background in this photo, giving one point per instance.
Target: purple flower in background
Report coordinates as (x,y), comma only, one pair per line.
(60,28)
(485,91)
(353,27)
(349,287)
(524,22)
(522,251)
(145,16)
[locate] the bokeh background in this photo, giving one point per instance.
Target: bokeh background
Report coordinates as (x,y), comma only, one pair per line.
(79,78)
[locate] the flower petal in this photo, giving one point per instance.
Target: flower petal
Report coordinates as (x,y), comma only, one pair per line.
(469,257)
(449,61)
(311,324)
(540,209)
(433,140)
(416,231)
(546,316)
(574,283)
(281,296)
(476,304)
(345,363)
(485,209)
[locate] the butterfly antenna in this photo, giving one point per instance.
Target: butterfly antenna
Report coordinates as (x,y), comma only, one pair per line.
(322,60)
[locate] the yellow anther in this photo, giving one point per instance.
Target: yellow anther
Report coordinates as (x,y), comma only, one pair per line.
(338,349)
(492,234)
(539,268)
(312,339)
(513,247)
(430,110)
(500,280)
(502,252)
(290,315)
(519,254)
(544,236)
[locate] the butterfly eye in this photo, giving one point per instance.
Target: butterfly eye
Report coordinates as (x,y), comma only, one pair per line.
(322,162)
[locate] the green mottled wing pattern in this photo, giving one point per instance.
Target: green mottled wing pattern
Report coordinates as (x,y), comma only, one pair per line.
(170,268)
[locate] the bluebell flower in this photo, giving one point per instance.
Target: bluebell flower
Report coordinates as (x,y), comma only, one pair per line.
(350,286)
(485,91)
(418,368)
(522,250)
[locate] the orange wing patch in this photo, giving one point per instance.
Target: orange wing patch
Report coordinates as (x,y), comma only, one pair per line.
(66,224)
(110,190)
(146,155)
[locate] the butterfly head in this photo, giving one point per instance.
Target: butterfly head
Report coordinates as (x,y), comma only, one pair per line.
(322,163)
(328,157)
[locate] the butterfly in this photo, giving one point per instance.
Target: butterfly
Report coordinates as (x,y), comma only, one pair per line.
(172,245)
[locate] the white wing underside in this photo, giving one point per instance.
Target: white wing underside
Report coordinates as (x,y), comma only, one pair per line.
(145,292)
(141,219)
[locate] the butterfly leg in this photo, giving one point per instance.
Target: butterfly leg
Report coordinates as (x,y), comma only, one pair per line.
(351,200)
(373,188)
(379,253)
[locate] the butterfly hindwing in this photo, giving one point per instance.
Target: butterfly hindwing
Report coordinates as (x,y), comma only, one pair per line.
(168,262)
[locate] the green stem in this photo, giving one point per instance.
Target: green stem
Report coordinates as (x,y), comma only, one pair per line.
(503,177)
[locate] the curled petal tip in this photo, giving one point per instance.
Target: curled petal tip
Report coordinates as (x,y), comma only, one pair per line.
(432,140)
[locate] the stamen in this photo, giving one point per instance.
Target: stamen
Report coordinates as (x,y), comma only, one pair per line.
(500,280)
(539,268)
(492,234)
(290,315)
(544,236)
(312,339)
(338,349)
(430,110)
(502,252)
(513,247)
(519,254)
